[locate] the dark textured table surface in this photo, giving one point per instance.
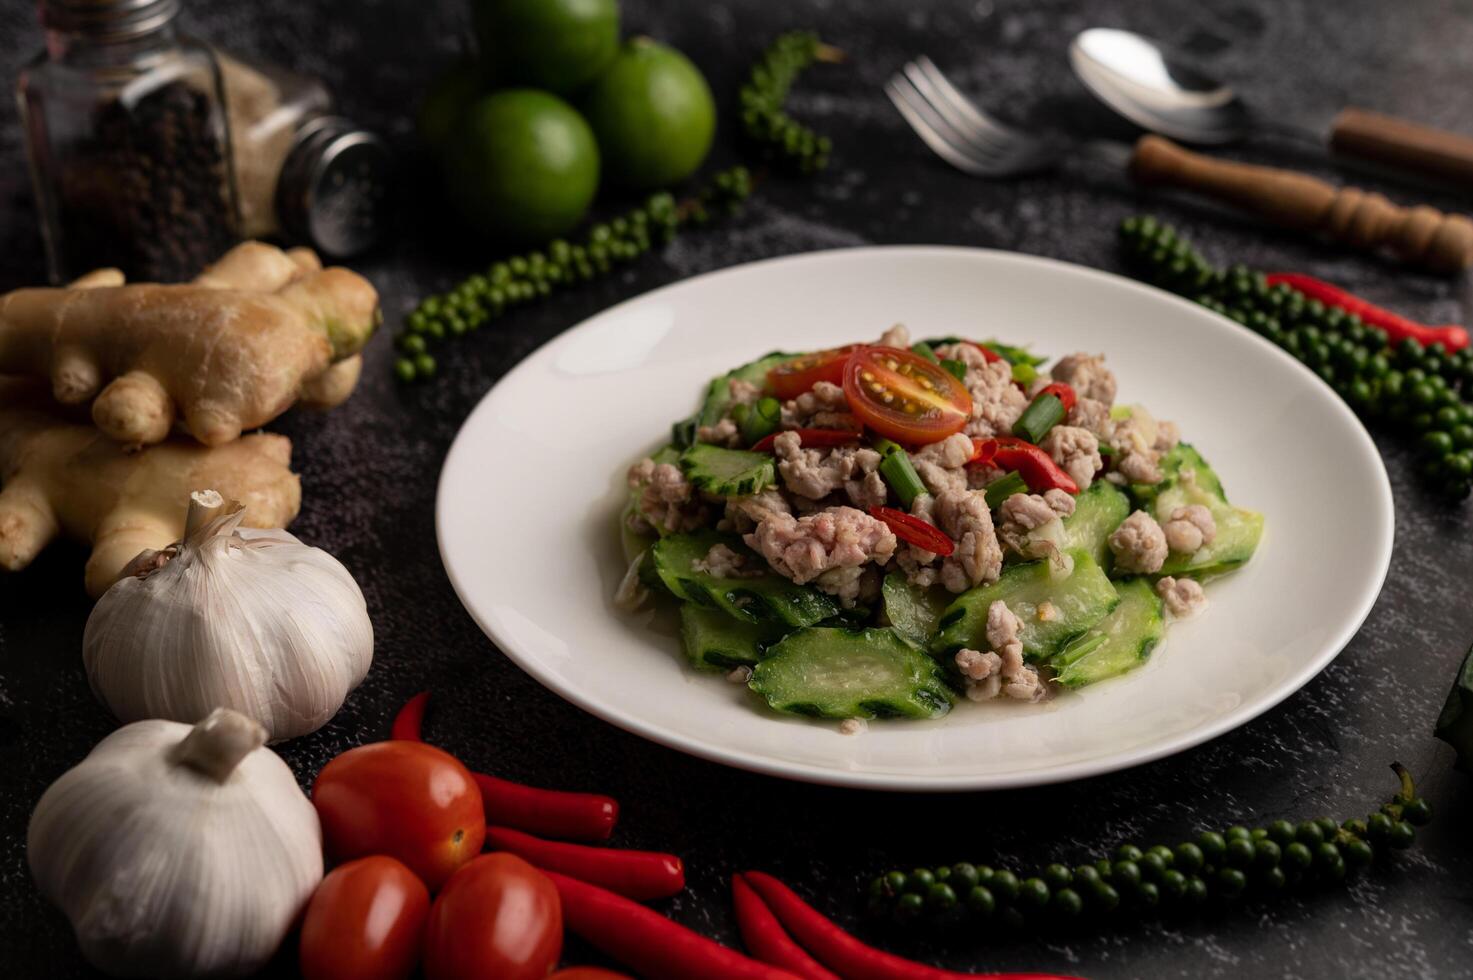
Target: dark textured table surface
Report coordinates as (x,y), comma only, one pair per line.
(369,471)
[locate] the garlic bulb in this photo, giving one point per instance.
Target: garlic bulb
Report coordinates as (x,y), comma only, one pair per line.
(230,617)
(178,851)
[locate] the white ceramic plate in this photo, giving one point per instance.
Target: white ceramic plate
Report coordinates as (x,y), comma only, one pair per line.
(530,491)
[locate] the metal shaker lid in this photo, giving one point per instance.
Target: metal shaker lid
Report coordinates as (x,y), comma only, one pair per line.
(107,18)
(334,186)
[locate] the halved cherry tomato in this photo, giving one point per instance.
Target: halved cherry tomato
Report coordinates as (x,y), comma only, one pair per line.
(913,530)
(364,922)
(812,438)
(405,799)
(905,397)
(496,917)
(1037,467)
(791,378)
(1061,391)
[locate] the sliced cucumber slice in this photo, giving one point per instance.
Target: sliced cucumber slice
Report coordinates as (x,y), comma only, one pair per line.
(718,393)
(1120,642)
(768,598)
(832,672)
(1079,602)
(1098,511)
(715,641)
(912,610)
(728,472)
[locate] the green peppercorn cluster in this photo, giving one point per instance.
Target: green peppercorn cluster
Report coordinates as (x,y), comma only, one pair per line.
(522,279)
(1213,870)
(765,119)
(1419,389)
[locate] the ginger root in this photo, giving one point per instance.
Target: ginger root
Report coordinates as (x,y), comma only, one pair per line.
(61,477)
(230,351)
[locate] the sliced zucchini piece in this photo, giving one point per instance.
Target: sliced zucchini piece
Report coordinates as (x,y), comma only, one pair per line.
(768,598)
(832,672)
(718,392)
(728,472)
(715,641)
(1182,457)
(1079,602)
(1098,511)
(912,610)
(1120,642)
(1238,529)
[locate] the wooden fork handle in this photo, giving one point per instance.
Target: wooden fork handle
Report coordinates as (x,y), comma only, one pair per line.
(1404,145)
(1421,235)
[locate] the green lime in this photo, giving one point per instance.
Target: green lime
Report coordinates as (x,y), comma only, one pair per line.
(653,113)
(560,45)
(447,99)
(522,166)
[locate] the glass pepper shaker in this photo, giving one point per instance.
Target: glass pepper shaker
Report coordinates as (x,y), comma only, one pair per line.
(128,140)
(303,173)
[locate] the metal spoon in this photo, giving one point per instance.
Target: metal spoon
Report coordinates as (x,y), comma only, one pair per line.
(1137,78)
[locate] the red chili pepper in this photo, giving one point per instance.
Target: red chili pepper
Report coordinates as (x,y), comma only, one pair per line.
(1037,467)
(1061,391)
(765,937)
(990,355)
(847,956)
(409,722)
(640,875)
(913,530)
(549,812)
(1396,327)
(810,437)
(647,942)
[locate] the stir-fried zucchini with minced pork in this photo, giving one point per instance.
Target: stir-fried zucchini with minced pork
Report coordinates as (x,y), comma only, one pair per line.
(878,529)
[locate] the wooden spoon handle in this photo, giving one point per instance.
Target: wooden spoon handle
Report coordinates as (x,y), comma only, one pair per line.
(1422,235)
(1403,145)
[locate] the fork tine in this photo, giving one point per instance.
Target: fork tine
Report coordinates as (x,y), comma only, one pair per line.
(941,89)
(930,128)
(1003,149)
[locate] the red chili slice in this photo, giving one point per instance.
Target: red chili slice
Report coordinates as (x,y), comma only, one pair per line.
(913,530)
(811,438)
(1062,392)
(1037,467)
(991,355)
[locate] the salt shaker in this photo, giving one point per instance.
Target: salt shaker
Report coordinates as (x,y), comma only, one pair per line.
(128,141)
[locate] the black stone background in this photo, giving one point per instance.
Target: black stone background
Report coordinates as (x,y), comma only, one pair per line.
(369,471)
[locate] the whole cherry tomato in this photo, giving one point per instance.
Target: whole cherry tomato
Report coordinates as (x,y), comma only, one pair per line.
(408,800)
(496,917)
(587,973)
(365,922)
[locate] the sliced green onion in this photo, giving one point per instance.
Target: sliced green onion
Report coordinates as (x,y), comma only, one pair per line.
(924,349)
(683,433)
(1004,487)
(958,369)
(759,420)
(898,471)
(1106,450)
(1045,412)
(1014,355)
(1024,374)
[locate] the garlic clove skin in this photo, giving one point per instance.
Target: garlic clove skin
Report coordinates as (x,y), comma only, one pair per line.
(248,619)
(166,870)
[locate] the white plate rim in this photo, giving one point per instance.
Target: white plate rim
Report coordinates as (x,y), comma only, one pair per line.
(1131,758)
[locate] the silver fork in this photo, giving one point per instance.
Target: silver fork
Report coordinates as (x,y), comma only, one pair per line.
(972,141)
